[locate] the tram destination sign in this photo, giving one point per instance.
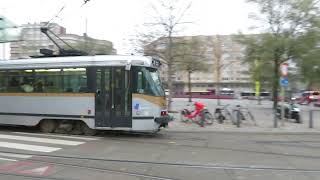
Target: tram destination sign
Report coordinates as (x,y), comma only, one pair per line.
(155,63)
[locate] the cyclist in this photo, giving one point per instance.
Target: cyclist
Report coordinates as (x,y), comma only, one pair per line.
(197,110)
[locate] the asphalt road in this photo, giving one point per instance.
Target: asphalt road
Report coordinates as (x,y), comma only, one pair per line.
(167,155)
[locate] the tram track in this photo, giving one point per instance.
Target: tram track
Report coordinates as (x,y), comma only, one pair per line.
(77,166)
(29,177)
(114,135)
(36,157)
(216,147)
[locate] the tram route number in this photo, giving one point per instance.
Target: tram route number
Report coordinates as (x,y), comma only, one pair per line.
(156,63)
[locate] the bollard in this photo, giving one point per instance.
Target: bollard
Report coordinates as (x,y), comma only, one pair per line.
(238,118)
(311,119)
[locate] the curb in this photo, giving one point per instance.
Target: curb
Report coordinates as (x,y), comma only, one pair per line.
(285,132)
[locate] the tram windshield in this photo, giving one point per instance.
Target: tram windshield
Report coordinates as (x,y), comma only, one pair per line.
(147,81)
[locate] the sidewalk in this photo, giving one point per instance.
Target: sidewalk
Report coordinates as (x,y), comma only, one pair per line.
(287,128)
(263,117)
(262,126)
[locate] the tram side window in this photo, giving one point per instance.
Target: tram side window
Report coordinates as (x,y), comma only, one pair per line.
(44,80)
(3,81)
(48,81)
(20,81)
(75,80)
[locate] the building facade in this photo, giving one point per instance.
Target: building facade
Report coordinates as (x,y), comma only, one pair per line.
(234,73)
(33,40)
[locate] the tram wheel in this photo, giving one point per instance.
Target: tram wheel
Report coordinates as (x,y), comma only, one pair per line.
(48,125)
(86,130)
(77,128)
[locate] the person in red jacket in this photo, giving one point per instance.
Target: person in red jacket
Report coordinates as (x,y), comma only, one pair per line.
(198,108)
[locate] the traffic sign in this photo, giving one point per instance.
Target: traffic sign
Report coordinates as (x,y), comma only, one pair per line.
(284,69)
(284,81)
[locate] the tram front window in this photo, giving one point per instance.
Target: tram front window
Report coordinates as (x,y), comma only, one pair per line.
(147,81)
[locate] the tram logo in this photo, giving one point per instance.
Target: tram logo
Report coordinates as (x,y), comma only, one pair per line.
(136,106)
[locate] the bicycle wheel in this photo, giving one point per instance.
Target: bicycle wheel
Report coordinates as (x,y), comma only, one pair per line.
(221,118)
(251,116)
(228,114)
(184,119)
(208,118)
(242,117)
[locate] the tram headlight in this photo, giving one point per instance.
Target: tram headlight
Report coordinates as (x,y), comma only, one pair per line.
(164,113)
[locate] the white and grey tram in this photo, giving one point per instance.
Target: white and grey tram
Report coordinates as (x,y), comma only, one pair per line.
(83,94)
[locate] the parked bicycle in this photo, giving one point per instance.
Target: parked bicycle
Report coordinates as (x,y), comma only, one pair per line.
(221,113)
(242,114)
(200,115)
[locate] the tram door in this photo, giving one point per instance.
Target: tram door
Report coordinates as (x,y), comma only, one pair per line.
(113,97)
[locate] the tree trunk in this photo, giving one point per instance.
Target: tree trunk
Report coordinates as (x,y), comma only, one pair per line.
(189,86)
(218,83)
(275,86)
(310,86)
(259,99)
(218,93)
(170,70)
(170,87)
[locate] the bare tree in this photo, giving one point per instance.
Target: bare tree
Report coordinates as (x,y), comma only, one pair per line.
(218,65)
(167,21)
(217,55)
(189,57)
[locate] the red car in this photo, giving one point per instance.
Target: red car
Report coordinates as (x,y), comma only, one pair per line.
(309,96)
(317,104)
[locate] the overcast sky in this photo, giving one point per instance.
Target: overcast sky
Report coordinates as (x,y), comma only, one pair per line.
(115,20)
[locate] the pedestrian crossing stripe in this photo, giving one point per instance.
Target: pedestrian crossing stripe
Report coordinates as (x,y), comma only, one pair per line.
(28,147)
(60,136)
(6,159)
(41,140)
(12,155)
(33,142)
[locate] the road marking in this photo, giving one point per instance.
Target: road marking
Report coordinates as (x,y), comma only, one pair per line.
(41,140)
(28,147)
(15,155)
(6,159)
(41,171)
(13,166)
(60,136)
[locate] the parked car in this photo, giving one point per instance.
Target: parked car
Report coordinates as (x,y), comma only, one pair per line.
(317,104)
(309,96)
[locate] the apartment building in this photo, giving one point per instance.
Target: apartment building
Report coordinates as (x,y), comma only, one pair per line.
(34,40)
(234,73)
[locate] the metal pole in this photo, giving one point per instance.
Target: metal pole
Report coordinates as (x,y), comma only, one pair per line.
(282,105)
(238,118)
(311,119)
(3,51)
(275,119)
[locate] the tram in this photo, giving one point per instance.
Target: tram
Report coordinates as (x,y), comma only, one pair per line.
(83,94)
